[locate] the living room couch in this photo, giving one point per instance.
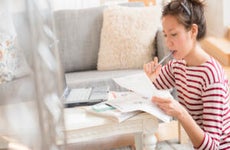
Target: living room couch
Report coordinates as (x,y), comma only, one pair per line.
(79,35)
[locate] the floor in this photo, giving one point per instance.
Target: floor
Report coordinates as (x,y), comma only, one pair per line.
(125,143)
(166,145)
(173,145)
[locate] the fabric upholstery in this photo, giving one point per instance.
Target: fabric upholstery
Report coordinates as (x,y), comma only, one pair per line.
(79,37)
(97,78)
(12,62)
(127,37)
(161,47)
(78,32)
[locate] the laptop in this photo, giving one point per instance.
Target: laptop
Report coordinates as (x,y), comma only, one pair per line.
(85,96)
(72,97)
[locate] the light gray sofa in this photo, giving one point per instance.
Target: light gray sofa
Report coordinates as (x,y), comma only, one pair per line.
(79,33)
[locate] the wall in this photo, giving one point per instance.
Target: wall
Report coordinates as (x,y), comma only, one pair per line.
(74,4)
(218,17)
(79,4)
(226,13)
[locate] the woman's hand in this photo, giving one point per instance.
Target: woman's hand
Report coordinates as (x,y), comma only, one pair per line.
(152,69)
(169,106)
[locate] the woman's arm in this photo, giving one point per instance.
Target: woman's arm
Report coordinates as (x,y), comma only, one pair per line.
(173,108)
(194,132)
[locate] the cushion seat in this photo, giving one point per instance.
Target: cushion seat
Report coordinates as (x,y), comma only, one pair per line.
(97,78)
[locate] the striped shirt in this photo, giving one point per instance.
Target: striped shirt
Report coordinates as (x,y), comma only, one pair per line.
(203,90)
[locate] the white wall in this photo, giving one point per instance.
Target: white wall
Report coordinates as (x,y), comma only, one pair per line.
(79,4)
(74,4)
(226,12)
(218,17)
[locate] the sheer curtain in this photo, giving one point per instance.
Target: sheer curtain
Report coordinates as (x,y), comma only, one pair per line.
(31,110)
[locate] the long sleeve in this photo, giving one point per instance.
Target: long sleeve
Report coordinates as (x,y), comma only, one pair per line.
(216,117)
(165,80)
(204,92)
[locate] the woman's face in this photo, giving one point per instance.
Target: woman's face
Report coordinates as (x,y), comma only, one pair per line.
(177,38)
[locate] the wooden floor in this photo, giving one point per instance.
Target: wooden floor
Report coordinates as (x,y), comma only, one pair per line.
(108,143)
(125,142)
(173,145)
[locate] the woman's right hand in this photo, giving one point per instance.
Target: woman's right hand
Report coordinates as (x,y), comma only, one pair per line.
(152,69)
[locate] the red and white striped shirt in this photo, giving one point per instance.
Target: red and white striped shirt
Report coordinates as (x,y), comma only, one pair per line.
(203,90)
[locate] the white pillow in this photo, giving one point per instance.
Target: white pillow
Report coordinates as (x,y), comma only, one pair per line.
(127,37)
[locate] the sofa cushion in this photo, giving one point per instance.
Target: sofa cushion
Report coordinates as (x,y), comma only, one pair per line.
(97,78)
(78,32)
(127,37)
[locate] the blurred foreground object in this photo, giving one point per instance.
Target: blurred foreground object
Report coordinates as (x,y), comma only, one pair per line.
(31,111)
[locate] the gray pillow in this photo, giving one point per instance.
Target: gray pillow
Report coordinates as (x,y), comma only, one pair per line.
(161,47)
(78,32)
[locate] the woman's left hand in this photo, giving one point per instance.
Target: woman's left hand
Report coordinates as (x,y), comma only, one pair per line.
(169,106)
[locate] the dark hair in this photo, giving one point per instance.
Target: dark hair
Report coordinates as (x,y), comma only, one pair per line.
(188,12)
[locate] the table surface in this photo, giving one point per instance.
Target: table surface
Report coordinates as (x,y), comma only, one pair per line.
(81,126)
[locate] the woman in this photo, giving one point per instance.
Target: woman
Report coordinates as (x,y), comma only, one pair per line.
(203,106)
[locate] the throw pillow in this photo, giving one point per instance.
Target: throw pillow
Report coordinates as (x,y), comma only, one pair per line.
(12,64)
(127,37)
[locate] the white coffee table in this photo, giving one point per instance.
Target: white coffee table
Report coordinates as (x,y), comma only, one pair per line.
(81,126)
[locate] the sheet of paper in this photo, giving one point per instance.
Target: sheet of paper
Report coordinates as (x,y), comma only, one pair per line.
(141,85)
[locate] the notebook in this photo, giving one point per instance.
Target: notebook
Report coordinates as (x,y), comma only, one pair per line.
(85,96)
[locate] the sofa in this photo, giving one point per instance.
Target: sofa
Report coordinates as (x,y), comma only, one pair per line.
(79,38)
(79,35)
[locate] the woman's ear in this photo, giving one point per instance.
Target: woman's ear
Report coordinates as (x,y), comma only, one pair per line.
(194,30)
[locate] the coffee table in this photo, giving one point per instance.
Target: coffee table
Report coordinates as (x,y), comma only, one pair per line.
(81,126)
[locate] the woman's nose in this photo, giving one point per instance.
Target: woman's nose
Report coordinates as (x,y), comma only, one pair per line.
(169,43)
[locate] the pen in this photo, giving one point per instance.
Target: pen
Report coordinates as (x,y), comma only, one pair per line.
(162,60)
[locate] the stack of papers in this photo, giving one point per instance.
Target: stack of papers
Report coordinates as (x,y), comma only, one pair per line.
(123,105)
(107,111)
(143,90)
(127,102)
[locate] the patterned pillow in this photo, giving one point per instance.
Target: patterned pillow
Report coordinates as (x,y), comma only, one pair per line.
(127,37)
(10,60)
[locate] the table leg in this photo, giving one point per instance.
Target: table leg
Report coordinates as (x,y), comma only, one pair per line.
(145,141)
(138,141)
(149,139)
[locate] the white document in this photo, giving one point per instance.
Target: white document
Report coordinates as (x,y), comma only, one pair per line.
(144,89)
(141,84)
(130,101)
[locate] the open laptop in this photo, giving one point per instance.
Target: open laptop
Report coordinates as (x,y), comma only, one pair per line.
(72,97)
(85,96)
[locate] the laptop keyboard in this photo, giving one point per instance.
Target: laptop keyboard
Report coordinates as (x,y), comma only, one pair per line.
(80,94)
